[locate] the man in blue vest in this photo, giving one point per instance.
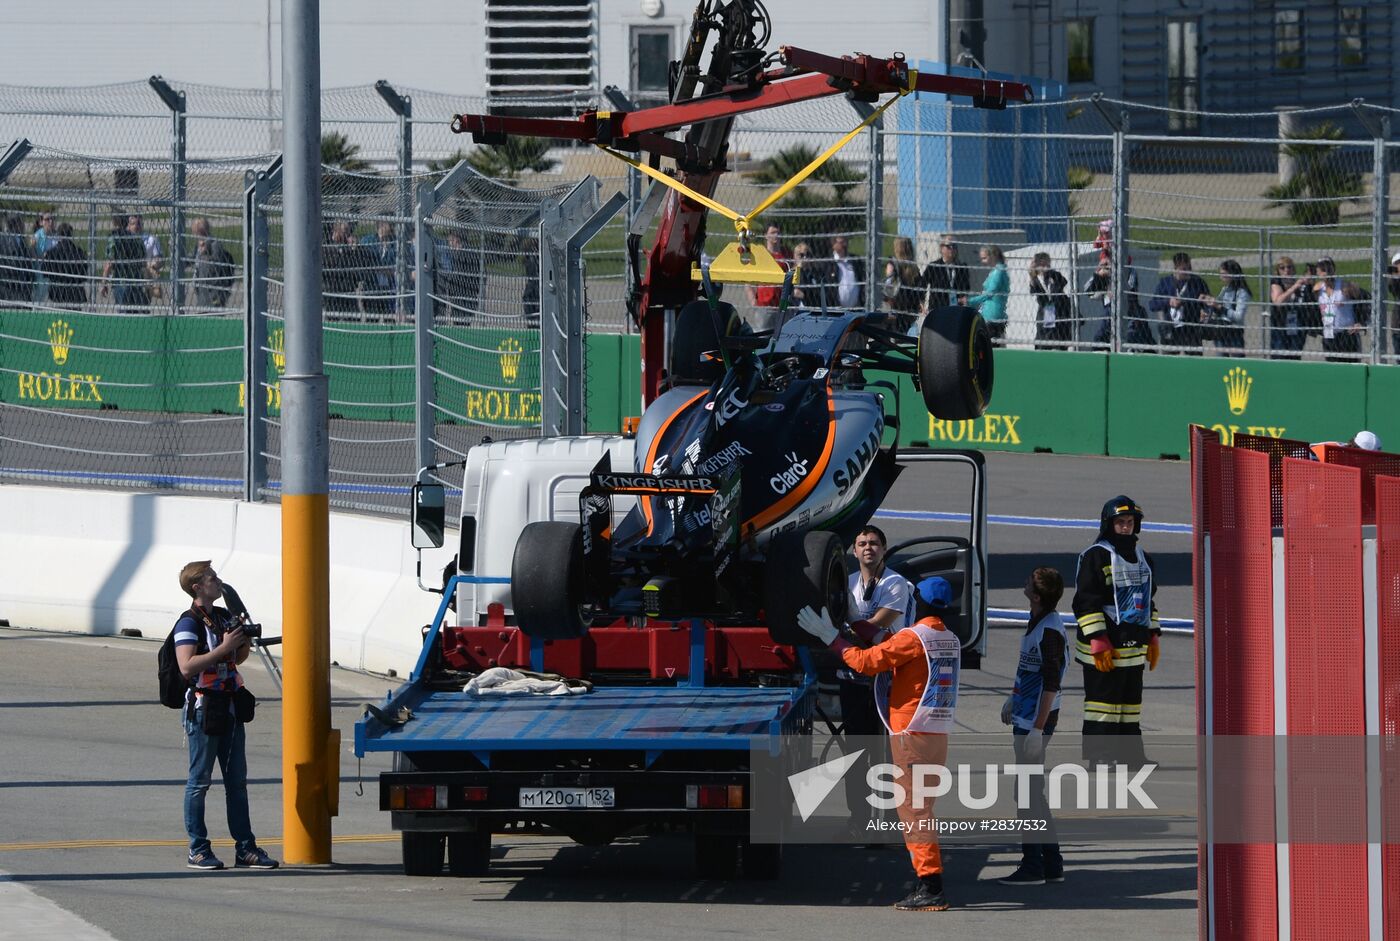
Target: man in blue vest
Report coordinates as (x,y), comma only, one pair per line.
(1118,633)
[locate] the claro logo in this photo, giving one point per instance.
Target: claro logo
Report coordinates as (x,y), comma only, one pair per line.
(783,481)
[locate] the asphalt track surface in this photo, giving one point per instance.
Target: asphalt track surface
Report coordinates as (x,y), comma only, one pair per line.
(92,774)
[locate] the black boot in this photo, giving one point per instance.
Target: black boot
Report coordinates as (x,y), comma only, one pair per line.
(926,897)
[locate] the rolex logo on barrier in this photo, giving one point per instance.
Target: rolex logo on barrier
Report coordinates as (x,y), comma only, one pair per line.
(60,335)
(276,344)
(511,352)
(1237,386)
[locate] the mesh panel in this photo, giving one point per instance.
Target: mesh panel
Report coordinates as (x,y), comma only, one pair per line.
(1388,659)
(1277,449)
(1244,897)
(1326,680)
(1370,463)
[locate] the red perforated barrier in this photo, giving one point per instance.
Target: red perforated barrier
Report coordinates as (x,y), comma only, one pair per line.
(1371,464)
(1240,649)
(1205,453)
(1387,504)
(1326,694)
(1277,449)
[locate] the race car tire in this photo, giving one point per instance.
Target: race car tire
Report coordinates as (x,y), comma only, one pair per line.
(804,569)
(547,581)
(694,336)
(955,363)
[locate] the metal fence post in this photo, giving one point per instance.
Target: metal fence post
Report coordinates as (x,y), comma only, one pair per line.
(1120,237)
(1266,320)
(874,202)
(175,101)
(402,106)
(1381,175)
(259,187)
(424,418)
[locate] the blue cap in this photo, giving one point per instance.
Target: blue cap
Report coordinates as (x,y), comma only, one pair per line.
(935,592)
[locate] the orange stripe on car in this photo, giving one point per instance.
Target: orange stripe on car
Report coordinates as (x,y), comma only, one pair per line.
(799,493)
(655,444)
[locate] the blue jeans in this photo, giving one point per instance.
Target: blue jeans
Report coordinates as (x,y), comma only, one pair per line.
(233,765)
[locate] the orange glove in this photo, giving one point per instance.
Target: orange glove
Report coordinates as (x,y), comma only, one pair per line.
(1154,651)
(1103,654)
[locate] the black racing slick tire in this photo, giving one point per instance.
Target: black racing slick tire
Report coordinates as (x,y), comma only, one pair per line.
(955,363)
(804,569)
(547,581)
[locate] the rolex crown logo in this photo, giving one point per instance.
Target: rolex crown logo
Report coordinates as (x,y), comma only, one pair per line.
(511,352)
(276,343)
(60,335)
(1237,385)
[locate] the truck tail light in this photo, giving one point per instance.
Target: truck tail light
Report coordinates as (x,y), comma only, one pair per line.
(474,794)
(396,797)
(714,797)
(421,797)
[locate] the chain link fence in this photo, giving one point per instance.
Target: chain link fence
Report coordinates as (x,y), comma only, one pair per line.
(123,326)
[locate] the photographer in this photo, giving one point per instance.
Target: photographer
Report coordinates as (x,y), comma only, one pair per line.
(209,646)
(1392,287)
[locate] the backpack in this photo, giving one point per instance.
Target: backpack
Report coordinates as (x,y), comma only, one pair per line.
(173,684)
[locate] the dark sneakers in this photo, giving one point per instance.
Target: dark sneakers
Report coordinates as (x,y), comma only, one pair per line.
(205,861)
(1024,876)
(254,858)
(924,898)
(1054,873)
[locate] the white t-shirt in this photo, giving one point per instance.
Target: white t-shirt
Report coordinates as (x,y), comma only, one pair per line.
(891,590)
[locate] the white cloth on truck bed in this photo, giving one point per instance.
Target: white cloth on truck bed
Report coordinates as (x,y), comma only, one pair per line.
(502,681)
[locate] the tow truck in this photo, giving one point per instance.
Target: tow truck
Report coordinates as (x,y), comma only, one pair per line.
(672,585)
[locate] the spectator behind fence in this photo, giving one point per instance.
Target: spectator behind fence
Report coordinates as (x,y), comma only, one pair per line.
(345,265)
(382,252)
(16,263)
(1177,301)
(213,268)
(765,297)
(1228,308)
(1292,310)
(530,293)
(1054,322)
(842,277)
(995,289)
(1335,300)
(947,278)
(1392,287)
(65,264)
(45,234)
(1098,296)
(902,287)
(150,246)
(126,264)
(458,280)
(807,290)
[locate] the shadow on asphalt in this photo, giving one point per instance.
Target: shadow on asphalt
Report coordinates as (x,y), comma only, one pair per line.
(1008,570)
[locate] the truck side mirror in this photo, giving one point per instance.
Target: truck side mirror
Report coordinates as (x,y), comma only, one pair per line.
(429,515)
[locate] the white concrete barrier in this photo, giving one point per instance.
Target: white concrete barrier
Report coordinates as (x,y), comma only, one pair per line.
(96,562)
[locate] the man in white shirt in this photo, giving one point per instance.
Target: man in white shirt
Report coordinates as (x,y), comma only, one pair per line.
(884,598)
(844,277)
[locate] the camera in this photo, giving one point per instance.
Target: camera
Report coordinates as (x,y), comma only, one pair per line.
(251,630)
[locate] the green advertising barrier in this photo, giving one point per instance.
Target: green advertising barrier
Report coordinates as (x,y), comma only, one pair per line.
(1041,401)
(1152,400)
(77,360)
(1383,405)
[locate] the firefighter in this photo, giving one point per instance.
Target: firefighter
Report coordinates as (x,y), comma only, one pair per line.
(1119,633)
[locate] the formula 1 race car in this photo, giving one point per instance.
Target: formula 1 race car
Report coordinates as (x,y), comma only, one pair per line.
(753,471)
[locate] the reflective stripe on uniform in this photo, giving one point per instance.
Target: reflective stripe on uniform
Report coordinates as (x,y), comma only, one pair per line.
(1111,712)
(1092,622)
(1122,656)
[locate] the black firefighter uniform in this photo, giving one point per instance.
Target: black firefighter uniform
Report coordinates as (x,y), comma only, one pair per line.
(1117,616)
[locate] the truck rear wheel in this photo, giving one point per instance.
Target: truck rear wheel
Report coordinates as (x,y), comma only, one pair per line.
(803,569)
(547,583)
(716,855)
(422,853)
(762,861)
(469,854)
(955,363)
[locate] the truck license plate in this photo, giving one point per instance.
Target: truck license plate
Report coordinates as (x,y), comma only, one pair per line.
(565,798)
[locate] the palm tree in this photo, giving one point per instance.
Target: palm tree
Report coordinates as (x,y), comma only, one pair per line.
(1321,182)
(342,173)
(509,160)
(806,208)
